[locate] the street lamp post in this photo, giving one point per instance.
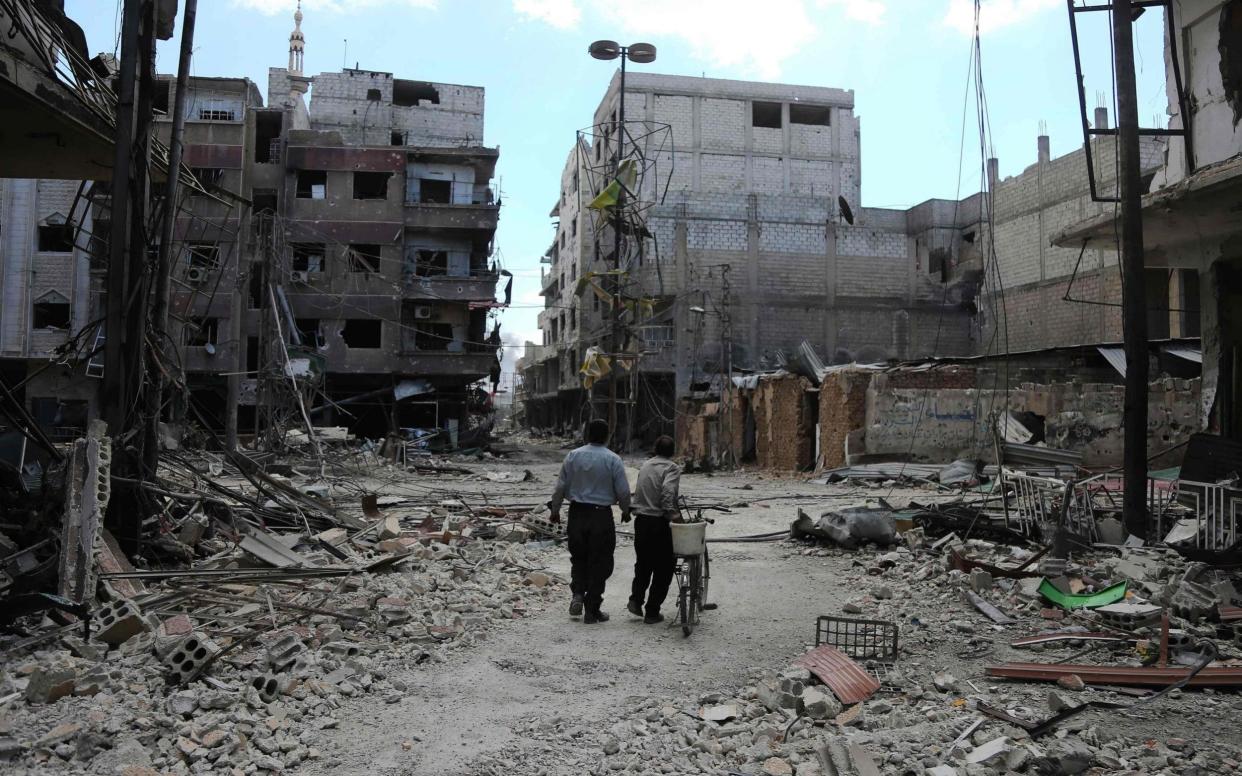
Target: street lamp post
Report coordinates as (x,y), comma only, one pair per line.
(641,53)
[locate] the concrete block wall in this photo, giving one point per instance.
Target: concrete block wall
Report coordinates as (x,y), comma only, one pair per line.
(339,102)
(842,409)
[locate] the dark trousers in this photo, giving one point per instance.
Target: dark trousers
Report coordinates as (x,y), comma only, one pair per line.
(592,539)
(653,544)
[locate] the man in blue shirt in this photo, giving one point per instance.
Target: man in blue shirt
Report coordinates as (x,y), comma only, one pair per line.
(593,479)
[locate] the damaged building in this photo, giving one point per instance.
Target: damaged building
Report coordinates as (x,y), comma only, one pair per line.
(345,241)
(757,241)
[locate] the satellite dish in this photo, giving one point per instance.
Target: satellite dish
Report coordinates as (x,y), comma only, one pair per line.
(642,53)
(210,348)
(844,208)
(604,49)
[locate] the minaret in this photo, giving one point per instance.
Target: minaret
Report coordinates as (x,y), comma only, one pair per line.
(296,43)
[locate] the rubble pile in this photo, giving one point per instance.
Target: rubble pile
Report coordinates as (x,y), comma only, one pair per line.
(268,595)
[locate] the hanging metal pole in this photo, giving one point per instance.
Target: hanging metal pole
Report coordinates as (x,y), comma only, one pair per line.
(1133,289)
(156,386)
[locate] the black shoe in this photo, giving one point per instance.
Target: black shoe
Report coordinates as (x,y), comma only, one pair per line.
(652,619)
(590,618)
(575,606)
(635,608)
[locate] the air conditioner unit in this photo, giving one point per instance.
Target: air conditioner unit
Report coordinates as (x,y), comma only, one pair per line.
(299,276)
(195,275)
(422,312)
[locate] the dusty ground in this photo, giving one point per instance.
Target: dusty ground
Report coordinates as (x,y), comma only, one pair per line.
(465,716)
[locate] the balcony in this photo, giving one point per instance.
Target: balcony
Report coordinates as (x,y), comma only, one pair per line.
(479,287)
(442,363)
(436,215)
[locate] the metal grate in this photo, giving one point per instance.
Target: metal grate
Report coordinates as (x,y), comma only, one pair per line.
(864,640)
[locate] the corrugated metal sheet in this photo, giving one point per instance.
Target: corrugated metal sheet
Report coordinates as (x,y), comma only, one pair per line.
(1116,357)
(1186,352)
(847,680)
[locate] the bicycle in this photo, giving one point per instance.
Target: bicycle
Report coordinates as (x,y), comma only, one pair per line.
(692,572)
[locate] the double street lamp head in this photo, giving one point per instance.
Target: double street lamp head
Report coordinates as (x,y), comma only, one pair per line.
(641,53)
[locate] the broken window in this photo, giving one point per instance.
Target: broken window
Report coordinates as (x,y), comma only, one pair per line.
(214,110)
(432,336)
(364,257)
(1231,55)
(264,201)
(363,333)
(435,191)
(766,114)
(56,238)
(307,257)
(371,185)
(397,139)
(100,243)
(430,263)
(312,184)
(267,126)
(51,311)
(200,332)
(373,95)
(205,255)
(815,115)
(258,289)
(208,176)
(310,332)
(410,93)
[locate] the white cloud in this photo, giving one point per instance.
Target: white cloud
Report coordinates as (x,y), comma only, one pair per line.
(274,7)
(562,14)
(995,14)
(869,11)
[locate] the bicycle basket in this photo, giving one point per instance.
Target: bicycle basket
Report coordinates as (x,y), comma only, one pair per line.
(688,538)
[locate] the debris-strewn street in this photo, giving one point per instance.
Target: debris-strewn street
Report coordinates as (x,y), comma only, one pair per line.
(448,649)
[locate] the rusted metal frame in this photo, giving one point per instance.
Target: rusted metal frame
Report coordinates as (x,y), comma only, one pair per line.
(1121,675)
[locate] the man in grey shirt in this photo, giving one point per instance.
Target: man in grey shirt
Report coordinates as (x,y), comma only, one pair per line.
(655,501)
(593,479)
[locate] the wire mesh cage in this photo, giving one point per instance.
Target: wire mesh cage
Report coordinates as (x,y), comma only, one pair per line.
(862,640)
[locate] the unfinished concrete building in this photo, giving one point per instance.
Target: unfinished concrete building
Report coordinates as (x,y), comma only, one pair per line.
(758,241)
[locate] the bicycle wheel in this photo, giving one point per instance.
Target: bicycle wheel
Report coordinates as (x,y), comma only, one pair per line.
(692,593)
(707,576)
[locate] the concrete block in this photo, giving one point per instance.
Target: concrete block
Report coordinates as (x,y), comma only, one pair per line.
(980,580)
(119,621)
(818,704)
(48,684)
(769,692)
(267,685)
(993,750)
(189,657)
(284,651)
(389,528)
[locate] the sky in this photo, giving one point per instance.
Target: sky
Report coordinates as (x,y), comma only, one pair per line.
(905,60)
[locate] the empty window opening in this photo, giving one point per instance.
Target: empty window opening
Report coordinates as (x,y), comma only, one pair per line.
(310,332)
(216,111)
(363,333)
(374,95)
(364,257)
(428,263)
(100,243)
(308,257)
(969,237)
(371,185)
(312,184)
(159,100)
(267,126)
(432,336)
(204,255)
(815,115)
(264,201)
(208,176)
(258,289)
(397,139)
(56,238)
(66,418)
(766,114)
(51,311)
(410,93)
(200,332)
(252,355)
(435,191)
